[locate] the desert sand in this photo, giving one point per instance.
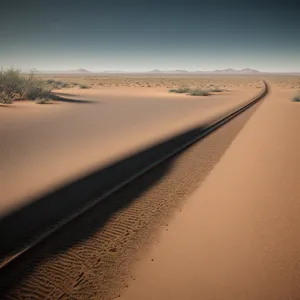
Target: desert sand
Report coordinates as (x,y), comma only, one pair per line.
(165,81)
(166,229)
(44,146)
(92,257)
(237,235)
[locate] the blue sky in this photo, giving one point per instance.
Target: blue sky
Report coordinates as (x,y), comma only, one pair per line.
(144,35)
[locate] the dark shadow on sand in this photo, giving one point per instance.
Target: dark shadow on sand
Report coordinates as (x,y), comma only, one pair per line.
(42,213)
(71,100)
(18,228)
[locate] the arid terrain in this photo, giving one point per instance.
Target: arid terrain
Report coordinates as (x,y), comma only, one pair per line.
(156,80)
(150,150)
(118,115)
(218,220)
(237,236)
(167,81)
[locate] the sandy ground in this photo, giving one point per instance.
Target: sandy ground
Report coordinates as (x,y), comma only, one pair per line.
(240,245)
(167,81)
(92,257)
(237,236)
(43,146)
(164,81)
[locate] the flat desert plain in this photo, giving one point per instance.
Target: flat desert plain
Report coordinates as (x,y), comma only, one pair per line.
(235,236)
(44,146)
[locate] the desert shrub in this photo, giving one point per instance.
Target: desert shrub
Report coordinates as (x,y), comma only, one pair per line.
(180,90)
(83,86)
(56,84)
(35,89)
(50,81)
(14,85)
(4,98)
(11,83)
(199,93)
(296,98)
(64,84)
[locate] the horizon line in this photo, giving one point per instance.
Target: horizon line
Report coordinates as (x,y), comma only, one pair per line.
(182,71)
(148,70)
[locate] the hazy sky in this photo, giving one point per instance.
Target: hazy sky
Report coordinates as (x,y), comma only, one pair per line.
(144,35)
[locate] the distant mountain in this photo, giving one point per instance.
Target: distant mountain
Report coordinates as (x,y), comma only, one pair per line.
(79,71)
(155,71)
(178,71)
(248,70)
(234,71)
(168,71)
(231,71)
(225,71)
(113,72)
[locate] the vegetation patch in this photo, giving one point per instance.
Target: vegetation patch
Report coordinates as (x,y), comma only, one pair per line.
(50,81)
(14,85)
(296,98)
(180,90)
(83,86)
(195,92)
(5,99)
(199,92)
(11,85)
(64,85)
(57,84)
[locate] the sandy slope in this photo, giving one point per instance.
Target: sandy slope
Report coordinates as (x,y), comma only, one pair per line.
(44,146)
(238,235)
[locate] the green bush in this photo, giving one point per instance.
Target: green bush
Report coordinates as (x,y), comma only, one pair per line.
(64,84)
(83,86)
(14,85)
(296,98)
(180,90)
(35,88)
(199,93)
(11,84)
(50,81)
(4,98)
(56,84)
